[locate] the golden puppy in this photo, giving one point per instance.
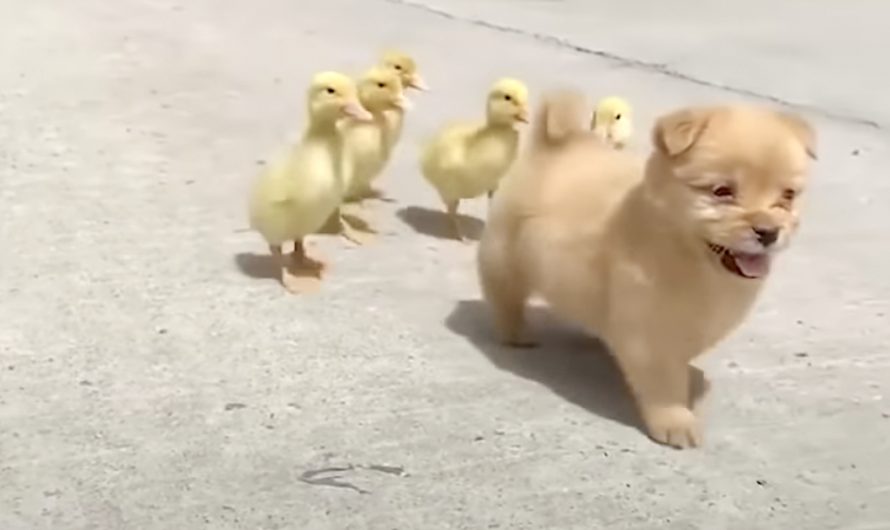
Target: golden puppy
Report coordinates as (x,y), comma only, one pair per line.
(660,260)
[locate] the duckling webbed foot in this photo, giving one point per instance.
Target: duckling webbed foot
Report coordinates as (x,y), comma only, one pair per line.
(299,283)
(338,224)
(359,236)
(295,282)
(304,265)
(355,227)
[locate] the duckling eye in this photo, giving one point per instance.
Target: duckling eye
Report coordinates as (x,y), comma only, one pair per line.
(330,90)
(398,66)
(381,85)
(618,116)
(508,97)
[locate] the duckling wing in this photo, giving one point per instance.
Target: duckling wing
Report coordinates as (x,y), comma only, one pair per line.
(447,161)
(364,154)
(394,120)
(295,195)
(447,153)
(274,184)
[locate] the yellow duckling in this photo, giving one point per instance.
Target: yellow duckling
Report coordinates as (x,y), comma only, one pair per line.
(467,160)
(296,194)
(406,67)
(365,152)
(611,121)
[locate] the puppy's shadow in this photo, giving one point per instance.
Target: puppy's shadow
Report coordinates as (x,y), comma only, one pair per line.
(257,266)
(570,363)
(435,223)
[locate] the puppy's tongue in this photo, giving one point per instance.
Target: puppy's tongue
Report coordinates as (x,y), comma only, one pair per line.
(752,265)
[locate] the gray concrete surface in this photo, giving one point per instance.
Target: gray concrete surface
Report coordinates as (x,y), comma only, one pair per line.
(152,376)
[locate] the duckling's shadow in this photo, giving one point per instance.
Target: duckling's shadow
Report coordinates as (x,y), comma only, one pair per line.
(570,363)
(358,222)
(435,223)
(258,266)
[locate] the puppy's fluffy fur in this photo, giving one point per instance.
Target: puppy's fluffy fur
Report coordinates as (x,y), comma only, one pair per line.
(660,259)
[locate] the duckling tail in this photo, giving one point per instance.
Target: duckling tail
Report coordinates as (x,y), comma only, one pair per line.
(562,114)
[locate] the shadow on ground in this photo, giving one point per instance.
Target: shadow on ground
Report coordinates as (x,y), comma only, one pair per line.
(569,362)
(435,223)
(573,365)
(258,266)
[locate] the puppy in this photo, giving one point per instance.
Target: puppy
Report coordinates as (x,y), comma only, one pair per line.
(661,259)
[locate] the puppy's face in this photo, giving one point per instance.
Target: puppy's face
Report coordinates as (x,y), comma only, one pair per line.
(733,176)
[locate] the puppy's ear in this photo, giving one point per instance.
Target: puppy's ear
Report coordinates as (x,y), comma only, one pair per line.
(560,116)
(801,129)
(677,132)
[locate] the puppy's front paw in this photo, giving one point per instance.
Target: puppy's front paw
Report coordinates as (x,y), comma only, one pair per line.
(518,339)
(675,426)
(523,343)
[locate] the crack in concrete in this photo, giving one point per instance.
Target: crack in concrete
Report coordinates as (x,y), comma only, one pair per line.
(638,64)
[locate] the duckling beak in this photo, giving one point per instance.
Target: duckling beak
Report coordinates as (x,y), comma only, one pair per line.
(403,103)
(417,82)
(354,109)
(522,116)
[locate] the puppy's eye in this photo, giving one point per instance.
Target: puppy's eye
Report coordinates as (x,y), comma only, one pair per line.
(723,191)
(330,90)
(789,194)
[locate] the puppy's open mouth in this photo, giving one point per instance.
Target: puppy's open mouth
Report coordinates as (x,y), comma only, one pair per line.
(741,263)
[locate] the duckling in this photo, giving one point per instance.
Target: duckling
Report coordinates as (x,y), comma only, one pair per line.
(467,160)
(365,153)
(611,121)
(297,193)
(406,67)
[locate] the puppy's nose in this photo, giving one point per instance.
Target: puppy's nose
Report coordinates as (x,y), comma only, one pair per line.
(767,236)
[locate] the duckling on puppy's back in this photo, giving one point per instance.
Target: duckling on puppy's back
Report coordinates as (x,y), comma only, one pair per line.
(467,160)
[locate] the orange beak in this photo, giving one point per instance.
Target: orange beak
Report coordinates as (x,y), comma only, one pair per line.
(417,82)
(522,116)
(354,109)
(402,103)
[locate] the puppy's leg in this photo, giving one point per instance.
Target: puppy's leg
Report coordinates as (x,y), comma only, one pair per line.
(660,383)
(505,291)
(699,388)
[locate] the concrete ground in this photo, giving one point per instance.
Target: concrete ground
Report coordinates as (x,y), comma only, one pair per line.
(153,376)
